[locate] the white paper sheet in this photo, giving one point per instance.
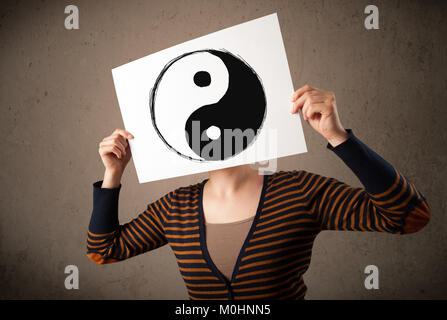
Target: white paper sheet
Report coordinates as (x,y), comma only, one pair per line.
(158,93)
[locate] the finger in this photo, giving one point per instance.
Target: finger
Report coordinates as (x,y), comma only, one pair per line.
(312,96)
(299,103)
(112,143)
(300,91)
(104,150)
(117,139)
(120,144)
(124,133)
(116,136)
(314,109)
(304,110)
(308,104)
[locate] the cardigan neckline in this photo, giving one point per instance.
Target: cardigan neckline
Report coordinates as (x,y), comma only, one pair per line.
(202,238)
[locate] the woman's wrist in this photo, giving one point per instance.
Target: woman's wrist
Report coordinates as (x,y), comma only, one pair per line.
(341,136)
(112,179)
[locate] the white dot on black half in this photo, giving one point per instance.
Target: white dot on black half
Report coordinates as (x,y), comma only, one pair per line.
(207,105)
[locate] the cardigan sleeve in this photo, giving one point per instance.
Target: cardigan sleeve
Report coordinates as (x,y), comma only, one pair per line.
(108,241)
(389,202)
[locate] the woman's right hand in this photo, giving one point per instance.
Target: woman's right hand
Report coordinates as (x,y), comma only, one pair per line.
(115,152)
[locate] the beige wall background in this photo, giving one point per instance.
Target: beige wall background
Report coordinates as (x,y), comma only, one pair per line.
(58,101)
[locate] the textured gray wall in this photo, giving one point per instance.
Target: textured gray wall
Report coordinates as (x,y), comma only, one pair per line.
(58,102)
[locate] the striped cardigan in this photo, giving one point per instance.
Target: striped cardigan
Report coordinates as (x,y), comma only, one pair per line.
(294,207)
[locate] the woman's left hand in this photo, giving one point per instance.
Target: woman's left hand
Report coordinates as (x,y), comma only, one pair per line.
(319,109)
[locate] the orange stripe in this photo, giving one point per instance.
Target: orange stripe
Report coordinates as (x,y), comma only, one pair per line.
(187,252)
(176,236)
(97,247)
(100,235)
(180,221)
(182,229)
(191,261)
(92,240)
(186,244)
(183,208)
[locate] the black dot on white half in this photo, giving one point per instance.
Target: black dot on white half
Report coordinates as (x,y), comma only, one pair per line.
(202,79)
(226,127)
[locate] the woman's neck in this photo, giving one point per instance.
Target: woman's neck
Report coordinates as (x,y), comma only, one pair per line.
(228,181)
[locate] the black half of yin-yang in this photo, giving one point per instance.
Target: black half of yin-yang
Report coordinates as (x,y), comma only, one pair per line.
(238,114)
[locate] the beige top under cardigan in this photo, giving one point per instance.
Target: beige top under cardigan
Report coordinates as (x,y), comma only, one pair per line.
(224,242)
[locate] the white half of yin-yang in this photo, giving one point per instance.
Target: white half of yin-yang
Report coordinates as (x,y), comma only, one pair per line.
(177,96)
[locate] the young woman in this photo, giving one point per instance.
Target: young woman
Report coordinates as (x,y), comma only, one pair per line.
(241,235)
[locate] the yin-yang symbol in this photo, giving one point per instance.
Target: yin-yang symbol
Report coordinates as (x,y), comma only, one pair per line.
(207,105)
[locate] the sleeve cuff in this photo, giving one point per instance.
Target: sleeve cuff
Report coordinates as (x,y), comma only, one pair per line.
(104,217)
(346,147)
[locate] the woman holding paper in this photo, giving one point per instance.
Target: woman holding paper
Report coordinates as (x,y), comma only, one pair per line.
(259,229)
